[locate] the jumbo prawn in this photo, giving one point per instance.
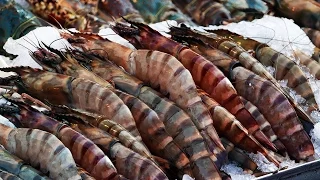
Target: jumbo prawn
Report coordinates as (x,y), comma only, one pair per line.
(236,51)
(177,77)
(176,121)
(265,126)
(285,69)
(84,151)
(38,148)
(148,123)
(18,167)
(205,74)
(204,12)
(74,92)
(229,127)
(127,162)
(278,111)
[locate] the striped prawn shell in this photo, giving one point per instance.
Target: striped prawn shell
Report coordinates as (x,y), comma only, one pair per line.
(176,81)
(84,174)
(76,93)
(147,121)
(240,52)
(316,54)
(84,151)
(205,74)
(227,63)
(313,65)
(264,125)
(286,69)
(136,166)
(314,35)
(4,175)
(88,155)
(278,111)
(177,123)
(228,126)
(304,13)
(154,134)
(47,152)
(16,166)
(125,137)
(204,12)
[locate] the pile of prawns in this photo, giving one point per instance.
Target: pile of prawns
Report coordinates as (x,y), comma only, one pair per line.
(184,105)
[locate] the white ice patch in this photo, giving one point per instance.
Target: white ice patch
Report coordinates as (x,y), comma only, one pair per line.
(271,70)
(315,138)
(263,164)
(29,42)
(163,27)
(109,34)
(186,177)
(281,34)
(236,172)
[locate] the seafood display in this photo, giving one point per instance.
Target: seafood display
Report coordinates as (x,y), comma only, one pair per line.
(112,97)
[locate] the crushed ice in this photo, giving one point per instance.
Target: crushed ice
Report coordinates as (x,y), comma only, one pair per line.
(236,172)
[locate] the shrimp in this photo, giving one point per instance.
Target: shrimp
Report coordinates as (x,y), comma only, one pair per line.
(74,92)
(176,76)
(278,111)
(84,151)
(16,166)
(40,149)
(205,74)
(148,123)
(8,176)
(313,65)
(314,36)
(236,51)
(160,10)
(304,13)
(204,12)
(84,174)
(63,13)
(177,123)
(136,166)
(109,9)
(229,127)
(228,64)
(264,125)
(316,54)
